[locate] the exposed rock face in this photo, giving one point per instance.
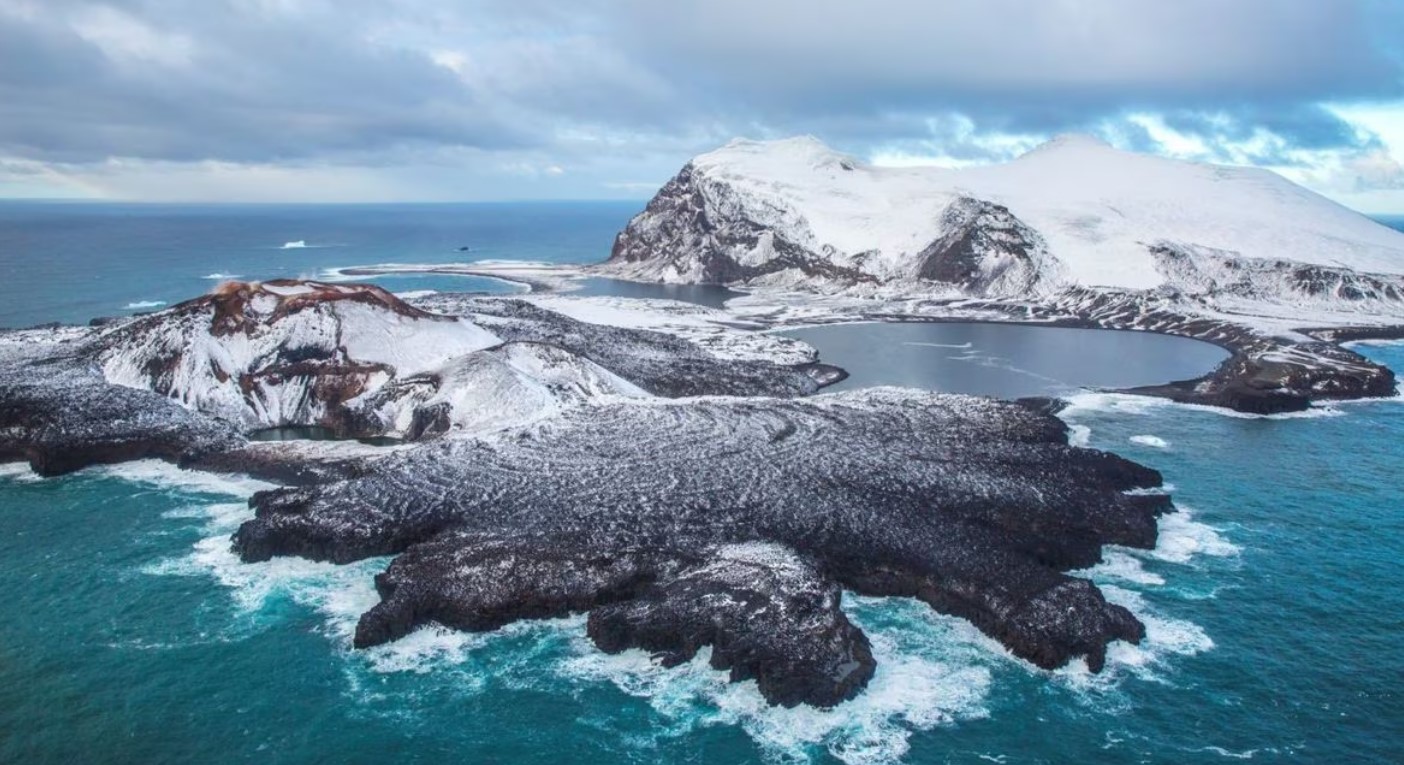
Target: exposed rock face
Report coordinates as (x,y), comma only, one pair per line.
(698,231)
(1206,273)
(701,229)
(984,250)
(640,510)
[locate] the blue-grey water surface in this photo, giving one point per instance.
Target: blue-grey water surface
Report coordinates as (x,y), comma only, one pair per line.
(1005,360)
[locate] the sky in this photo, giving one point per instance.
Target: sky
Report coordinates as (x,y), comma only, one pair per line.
(439,100)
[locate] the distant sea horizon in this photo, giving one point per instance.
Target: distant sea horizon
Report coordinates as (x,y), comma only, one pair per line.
(70,261)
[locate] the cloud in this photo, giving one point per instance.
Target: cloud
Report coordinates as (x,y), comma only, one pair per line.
(610,89)
(224,81)
(1375,171)
(1018,65)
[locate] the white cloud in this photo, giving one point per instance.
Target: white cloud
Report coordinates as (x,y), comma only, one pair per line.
(127,39)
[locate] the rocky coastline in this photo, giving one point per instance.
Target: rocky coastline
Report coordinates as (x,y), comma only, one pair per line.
(685,498)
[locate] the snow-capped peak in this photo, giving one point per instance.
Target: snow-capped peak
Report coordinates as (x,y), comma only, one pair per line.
(1073,211)
(1070,142)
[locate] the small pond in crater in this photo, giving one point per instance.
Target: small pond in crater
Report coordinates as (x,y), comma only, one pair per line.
(1004,360)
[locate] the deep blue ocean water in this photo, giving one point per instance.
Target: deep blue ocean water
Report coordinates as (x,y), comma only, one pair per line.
(129,633)
(70,262)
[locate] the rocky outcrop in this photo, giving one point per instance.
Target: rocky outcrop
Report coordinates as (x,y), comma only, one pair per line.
(700,228)
(701,233)
(984,250)
(59,416)
(767,615)
(733,522)
(1214,275)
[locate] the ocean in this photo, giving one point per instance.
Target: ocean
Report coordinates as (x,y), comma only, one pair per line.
(129,633)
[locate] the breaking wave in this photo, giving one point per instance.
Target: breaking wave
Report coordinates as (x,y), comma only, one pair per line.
(139,304)
(1129,404)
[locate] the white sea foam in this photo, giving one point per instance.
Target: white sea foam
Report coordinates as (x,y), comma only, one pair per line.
(413,294)
(18,471)
(1129,404)
(1154,442)
(1166,638)
(1125,567)
(295,245)
(932,670)
(219,277)
(1150,491)
(1182,538)
(1374,343)
(139,304)
(166,475)
(1079,435)
(1246,754)
(341,593)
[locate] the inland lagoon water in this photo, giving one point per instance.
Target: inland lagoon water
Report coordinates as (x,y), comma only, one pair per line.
(1005,360)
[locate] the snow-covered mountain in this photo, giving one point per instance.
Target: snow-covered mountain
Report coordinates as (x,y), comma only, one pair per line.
(349,357)
(1074,212)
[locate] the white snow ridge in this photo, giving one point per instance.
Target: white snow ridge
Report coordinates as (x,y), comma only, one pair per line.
(1074,212)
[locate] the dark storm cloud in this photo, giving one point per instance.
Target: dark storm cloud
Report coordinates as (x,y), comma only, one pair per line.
(315,81)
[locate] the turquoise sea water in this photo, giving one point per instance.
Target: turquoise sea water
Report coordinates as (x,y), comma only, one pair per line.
(1275,607)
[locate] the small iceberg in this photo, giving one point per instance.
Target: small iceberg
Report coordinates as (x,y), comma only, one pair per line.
(297,245)
(140,304)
